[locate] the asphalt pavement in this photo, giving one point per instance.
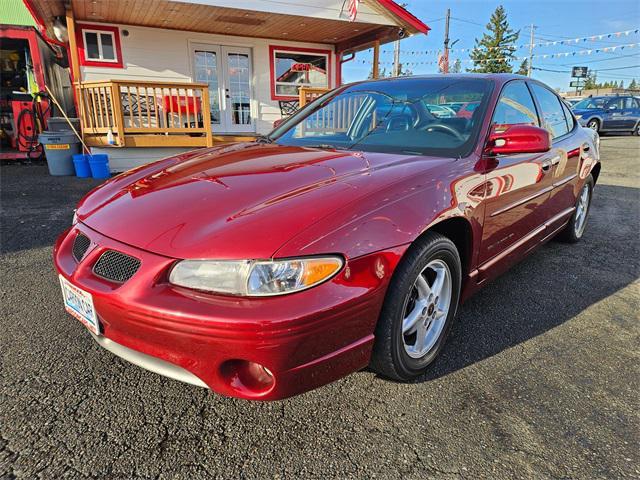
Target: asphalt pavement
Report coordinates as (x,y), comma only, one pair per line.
(540,378)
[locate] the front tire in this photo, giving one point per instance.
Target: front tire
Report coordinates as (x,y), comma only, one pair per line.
(574,230)
(594,124)
(419,309)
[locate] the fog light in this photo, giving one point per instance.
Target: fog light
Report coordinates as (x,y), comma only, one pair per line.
(248,378)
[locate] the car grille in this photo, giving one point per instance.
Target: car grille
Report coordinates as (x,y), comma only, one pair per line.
(116,266)
(80,246)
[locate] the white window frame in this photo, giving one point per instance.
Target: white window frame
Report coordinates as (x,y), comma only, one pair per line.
(300,52)
(100,52)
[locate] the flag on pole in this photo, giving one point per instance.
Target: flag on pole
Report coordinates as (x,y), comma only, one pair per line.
(352,9)
(443,62)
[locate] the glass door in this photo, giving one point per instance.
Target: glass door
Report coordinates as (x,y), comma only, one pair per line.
(237,89)
(206,60)
(227,71)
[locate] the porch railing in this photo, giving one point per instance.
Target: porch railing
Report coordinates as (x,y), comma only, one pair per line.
(130,112)
(309,94)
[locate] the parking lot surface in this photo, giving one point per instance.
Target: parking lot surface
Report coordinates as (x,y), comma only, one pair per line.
(538,380)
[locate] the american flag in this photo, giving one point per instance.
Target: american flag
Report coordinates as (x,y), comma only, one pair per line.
(443,62)
(353,9)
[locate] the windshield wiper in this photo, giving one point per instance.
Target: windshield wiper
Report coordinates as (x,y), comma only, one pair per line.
(323,146)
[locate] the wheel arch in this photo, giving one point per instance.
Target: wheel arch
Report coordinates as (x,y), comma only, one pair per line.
(594,117)
(459,230)
(595,172)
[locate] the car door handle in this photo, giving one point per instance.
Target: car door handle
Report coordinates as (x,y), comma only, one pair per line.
(586,148)
(546,165)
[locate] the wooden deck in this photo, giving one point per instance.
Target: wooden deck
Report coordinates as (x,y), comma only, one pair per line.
(130,113)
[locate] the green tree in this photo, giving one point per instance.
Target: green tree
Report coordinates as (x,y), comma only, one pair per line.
(457,66)
(590,81)
(494,52)
(404,71)
(633,85)
(524,68)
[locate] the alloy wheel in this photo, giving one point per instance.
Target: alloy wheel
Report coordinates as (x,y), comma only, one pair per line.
(582,208)
(426,309)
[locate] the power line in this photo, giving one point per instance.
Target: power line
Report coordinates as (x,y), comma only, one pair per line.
(601,60)
(468,21)
(603,70)
(618,68)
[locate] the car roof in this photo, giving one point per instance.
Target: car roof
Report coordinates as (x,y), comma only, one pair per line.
(498,78)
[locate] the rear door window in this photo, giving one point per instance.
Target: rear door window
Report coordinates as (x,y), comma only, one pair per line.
(553,117)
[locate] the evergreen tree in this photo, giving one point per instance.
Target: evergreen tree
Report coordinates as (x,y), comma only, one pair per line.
(621,84)
(403,71)
(524,68)
(633,85)
(457,66)
(590,81)
(495,50)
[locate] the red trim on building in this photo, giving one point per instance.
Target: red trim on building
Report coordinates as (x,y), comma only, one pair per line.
(272,71)
(40,24)
(30,35)
(404,15)
(80,27)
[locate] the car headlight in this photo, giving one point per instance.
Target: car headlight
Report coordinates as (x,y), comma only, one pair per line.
(255,278)
(578,117)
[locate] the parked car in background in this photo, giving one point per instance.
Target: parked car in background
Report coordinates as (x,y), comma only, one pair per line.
(609,114)
(572,101)
(455,106)
(466,109)
(345,238)
(441,111)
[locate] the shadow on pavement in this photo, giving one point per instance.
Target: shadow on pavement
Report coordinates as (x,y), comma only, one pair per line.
(549,287)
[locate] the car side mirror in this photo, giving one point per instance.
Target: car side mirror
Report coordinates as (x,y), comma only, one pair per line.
(518,138)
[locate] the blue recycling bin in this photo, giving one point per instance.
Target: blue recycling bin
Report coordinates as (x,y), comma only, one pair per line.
(99,165)
(81,164)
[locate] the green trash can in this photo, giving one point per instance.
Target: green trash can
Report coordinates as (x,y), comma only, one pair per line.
(59,148)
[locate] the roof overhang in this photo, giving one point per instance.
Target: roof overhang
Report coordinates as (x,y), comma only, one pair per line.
(207,16)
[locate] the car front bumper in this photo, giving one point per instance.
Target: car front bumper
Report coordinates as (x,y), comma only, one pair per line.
(305,339)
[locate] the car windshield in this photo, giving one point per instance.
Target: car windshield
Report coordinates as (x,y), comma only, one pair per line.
(408,116)
(590,103)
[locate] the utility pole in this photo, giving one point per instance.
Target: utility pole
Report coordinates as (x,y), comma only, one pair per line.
(531,40)
(396,53)
(445,64)
(396,58)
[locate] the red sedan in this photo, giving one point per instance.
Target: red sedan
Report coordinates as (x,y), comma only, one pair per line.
(344,239)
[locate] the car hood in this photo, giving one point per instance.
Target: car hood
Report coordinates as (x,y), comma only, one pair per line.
(237,201)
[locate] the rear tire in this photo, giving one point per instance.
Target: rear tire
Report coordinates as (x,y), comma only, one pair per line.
(574,230)
(419,309)
(636,132)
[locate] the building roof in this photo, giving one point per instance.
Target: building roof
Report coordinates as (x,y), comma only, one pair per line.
(377,20)
(13,12)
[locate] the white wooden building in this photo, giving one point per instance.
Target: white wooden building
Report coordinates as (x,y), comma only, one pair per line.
(144,70)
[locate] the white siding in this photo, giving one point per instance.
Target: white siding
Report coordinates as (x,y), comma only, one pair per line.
(123,159)
(165,55)
(329,9)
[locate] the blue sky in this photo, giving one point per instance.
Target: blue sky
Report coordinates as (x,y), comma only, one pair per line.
(555,21)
